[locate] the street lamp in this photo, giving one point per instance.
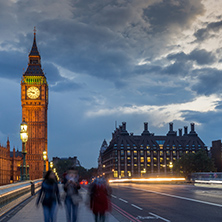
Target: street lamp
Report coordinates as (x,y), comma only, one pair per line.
(44,158)
(51,164)
(24,139)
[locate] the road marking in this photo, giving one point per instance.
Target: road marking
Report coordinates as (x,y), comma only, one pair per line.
(125,201)
(178,197)
(159,217)
(136,207)
(113,196)
(124,213)
(146,217)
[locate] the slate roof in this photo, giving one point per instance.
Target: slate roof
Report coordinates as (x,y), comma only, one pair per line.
(34,51)
(34,70)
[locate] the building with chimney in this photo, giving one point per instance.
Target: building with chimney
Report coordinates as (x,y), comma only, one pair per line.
(130,155)
(100,161)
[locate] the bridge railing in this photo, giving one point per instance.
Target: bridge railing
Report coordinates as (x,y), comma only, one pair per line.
(10,192)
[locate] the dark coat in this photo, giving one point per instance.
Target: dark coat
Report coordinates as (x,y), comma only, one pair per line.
(49,193)
(99,202)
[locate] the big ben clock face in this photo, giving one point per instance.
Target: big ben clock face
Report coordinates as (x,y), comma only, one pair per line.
(33,92)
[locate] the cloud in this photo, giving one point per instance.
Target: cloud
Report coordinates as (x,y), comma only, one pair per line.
(170,14)
(205,33)
(207,81)
(65,85)
(200,56)
(161,114)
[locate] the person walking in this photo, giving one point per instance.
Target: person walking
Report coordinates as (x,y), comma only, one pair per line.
(72,199)
(99,201)
(49,196)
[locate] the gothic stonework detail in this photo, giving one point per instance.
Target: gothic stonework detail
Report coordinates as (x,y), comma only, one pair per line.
(34,99)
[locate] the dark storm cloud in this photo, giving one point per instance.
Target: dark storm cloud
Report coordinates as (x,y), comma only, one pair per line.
(165,14)
(12,64)
(100,46)
(210,30)
(177,68)
(65,85)
(209,81)
(200,56)
(51,73)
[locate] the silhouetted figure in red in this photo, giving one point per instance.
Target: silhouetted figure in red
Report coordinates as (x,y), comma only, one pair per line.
(99,200)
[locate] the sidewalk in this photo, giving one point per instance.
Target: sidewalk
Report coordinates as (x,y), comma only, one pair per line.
(30,213)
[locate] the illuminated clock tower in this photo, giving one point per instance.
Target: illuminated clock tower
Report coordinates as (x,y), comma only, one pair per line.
(34,98)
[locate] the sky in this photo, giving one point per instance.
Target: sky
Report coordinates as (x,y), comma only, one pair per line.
(155,61)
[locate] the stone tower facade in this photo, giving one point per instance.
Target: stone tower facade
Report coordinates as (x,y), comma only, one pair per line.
(34,99)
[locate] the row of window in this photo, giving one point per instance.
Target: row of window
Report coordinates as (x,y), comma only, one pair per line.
(135,153)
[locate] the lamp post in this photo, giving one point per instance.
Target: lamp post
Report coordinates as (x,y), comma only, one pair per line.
(44,158)
(24,138)
(51,164)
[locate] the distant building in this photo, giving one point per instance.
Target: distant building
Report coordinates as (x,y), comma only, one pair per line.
(216,154)
(131,155)
(74,161)
(100,161)
(9,164)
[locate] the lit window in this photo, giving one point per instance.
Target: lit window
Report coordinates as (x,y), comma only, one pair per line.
(135,152)
(122,173)
(129,173)
(128,152)
(142,159)
(148,159)
(115,174)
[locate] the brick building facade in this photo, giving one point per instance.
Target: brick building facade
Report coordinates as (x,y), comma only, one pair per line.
(10,162)
(34,100)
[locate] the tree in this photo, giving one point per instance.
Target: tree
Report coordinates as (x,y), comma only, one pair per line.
(63,165)
(193,162)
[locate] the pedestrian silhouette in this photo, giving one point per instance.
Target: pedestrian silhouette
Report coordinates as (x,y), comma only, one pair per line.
(99,199)
(32,188)
(49,196)
(72,198)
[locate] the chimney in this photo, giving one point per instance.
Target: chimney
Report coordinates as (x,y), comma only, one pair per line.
(192,127)
(192,131)
(185,130)
(171,127)
(124,126)
(180,132)
(145,126)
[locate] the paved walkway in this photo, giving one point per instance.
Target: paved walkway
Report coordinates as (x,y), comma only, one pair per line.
(31,213)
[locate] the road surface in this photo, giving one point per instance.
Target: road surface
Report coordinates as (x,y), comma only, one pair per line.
(170,203)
